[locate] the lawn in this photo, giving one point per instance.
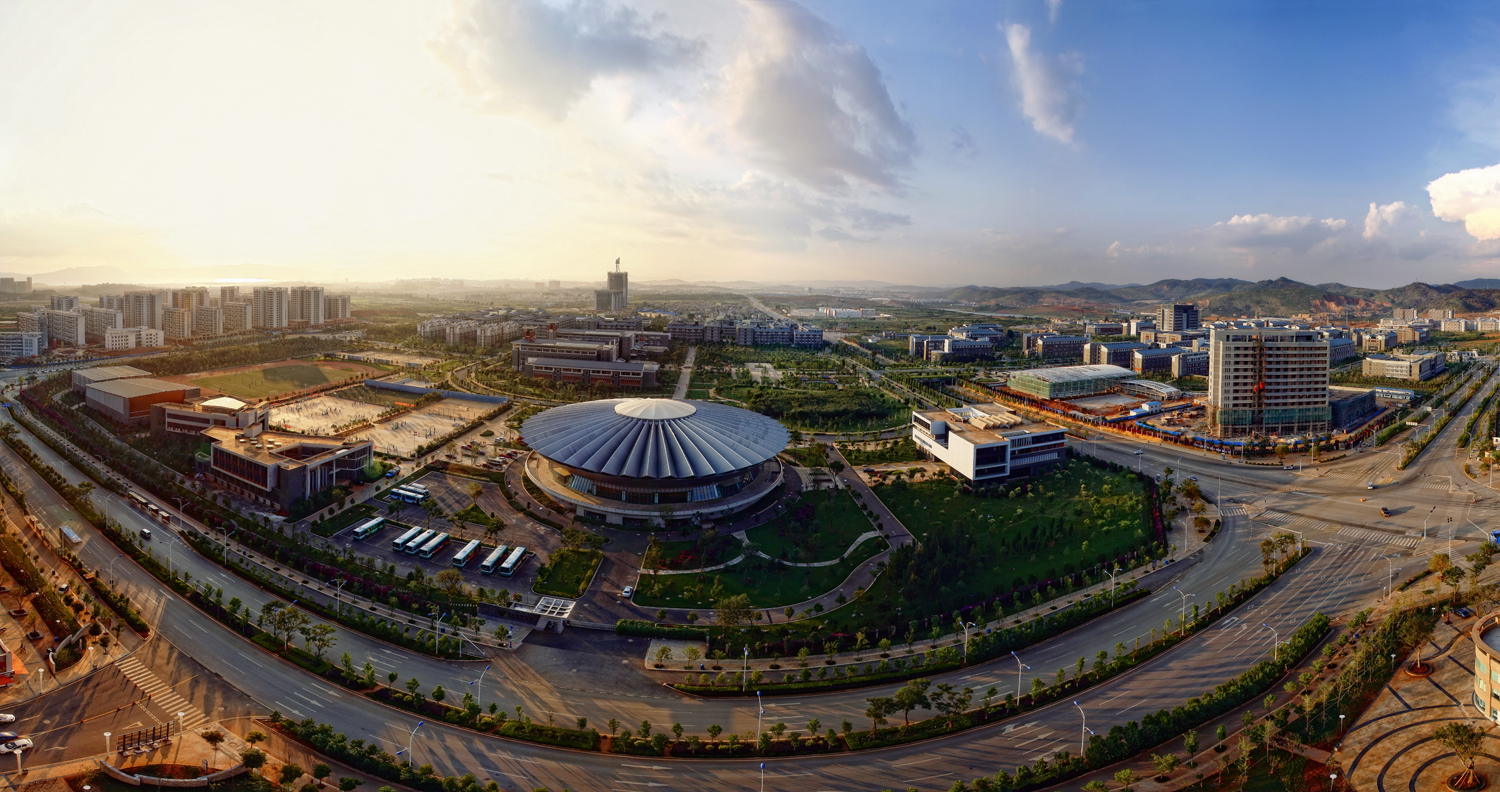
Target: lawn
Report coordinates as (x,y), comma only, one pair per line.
(822,409)
(567,573)
(379,397)
(814,528)
(882,452)
(267,382)
(769,584)
(815,455)
(974,547)
(692,553)
(342,520)
(472,513)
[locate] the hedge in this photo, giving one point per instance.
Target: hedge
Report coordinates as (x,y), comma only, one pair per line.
(645,629)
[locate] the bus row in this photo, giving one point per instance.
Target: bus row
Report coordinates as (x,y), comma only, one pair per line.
(425,543)
(150,508)
(410,493)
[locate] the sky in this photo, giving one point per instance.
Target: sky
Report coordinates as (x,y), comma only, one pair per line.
(1024,142)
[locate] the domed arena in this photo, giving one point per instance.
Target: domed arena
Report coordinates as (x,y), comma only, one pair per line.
(645,462)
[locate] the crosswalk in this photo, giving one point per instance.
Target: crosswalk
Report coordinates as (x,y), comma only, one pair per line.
(160,692)
(1442,485)
(1233,511)
(1366,535)
(1275,517)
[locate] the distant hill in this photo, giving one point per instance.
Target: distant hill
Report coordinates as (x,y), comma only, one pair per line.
(1233,297)
(1479,283)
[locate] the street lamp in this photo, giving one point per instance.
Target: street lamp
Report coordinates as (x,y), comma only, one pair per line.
(181,518)
(1112,574)
(1082,732)
(745,669)
(1275,645)
(1182,619)
(480,680)
(759,715)
(1424,521)
(1019,665)
(409,740)
(966,626)
(112,561)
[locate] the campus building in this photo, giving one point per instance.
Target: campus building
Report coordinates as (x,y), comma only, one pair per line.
(192,417)
(1271,381)
(1068,382)
(129,401)
(618,374)
(177,323)
(133,337)
(238,316)
(84,377)
(987,442)
(1176,318)
(281,468)
(98,321)
(1416,367)
(18,344)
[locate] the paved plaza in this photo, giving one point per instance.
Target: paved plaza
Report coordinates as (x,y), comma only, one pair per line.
(320,414)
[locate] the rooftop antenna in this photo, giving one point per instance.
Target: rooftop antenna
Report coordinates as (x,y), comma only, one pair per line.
(617,265)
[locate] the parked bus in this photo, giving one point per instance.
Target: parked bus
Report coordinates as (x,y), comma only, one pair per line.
(368,529)
(416,488)
(415,545)
(493,560)
(513,562)
(140,500)
(433,545)
(463,556)
(404,494)
(404,539)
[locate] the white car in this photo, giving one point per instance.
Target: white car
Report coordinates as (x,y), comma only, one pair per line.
(7,719)
(627,591)
(15,745)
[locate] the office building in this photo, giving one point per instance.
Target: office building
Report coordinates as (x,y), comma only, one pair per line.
(618,374)
(1267,381)
(1350,407)
(1135,326)
(917,344)
(1340,349)
(17,344)
(208,321)
(1174,318)
(129,401)
(305,304)
(1416,335)
(1194,363)
(1416,367)
(336,307)
(561,350)
(177,323)
(987,443)
(269,308)
(1154,361)
(282,468)
(1110,353)
(63,303)
(1060,347)
(238,316)
(1103,329)
(1067,382)
(1377,340)
(143,309)
(133,337)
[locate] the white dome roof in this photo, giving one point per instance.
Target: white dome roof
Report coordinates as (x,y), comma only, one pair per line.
(654,438)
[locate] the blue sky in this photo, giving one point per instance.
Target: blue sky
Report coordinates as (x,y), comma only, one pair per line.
(1011,143)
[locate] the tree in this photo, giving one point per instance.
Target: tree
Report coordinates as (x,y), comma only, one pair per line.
(318,637)
(879,707)
(732,611)
(253,758)
(1095,786)
(451,581)
(1439,563)
(438,694)
(911,696)
(1463,740)
(1190,742)
(1165,764)
(214,738)
(289,773)
(1126,778)
(255,737)
(321,771)
(347,784)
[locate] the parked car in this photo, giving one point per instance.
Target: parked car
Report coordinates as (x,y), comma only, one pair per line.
(627,591)
(1370,485)
(6,736)
(15,745)
(1288,467)
(7,719)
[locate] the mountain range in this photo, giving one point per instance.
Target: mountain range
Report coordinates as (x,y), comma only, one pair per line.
(1229,297)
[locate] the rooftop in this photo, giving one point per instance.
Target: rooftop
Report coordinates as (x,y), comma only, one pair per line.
(1075,373)
(985,423)
(130,388)
(281,448)
(101,373)
(596,365)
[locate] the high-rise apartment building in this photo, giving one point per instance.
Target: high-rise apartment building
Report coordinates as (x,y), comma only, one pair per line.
(114,302)
(1267,381)
(62,302)
(1175,318)
(269,307)
(208,321)
(237,316)
(191,298)
(335,307)
(305,304)
(177,322)
(1404,313)
(616,294)
(229,294)
(98,320)
(67,328)
(143,309)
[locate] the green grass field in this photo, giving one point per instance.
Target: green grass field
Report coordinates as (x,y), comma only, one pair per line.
(568,572)
(267,382)
(768,584)
(814,528)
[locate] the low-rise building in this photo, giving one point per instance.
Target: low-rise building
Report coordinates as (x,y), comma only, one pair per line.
(16,344)
(1456,325)
(1412,335)
(82,378)
(1378,340)
(1103,329)
(1350,407)
(1341,349)
(192,417)
(1194,363)
(1060,347)
(633,375)
(129,401)
(283,468)
(561,350)
(1067,382)
(1416,367)
(133,337)
(1154,361)
(988,443)
(1110,353)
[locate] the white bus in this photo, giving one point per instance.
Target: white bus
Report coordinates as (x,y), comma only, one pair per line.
(463,556)
(433,545)
(418,488)
(415,545)
(492,561)
(513,562)
(401,541)
(368,529)
(404,494)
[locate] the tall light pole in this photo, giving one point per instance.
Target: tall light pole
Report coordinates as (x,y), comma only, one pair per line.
(1019,665)
(480,680)
(181,518)
(966,626)
(1275,645)
(339,597)
(745,669)
(761,714)
(1112,574)
(409,740)
(1425,519)
(1083,730)
(1182,619)
(112,565)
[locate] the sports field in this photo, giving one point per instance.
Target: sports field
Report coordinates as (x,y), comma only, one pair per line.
(269,381)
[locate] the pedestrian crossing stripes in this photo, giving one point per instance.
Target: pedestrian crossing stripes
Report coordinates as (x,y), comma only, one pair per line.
(1275,518)
(1378,536)
(1440,486)
(1232,511)
(160,693)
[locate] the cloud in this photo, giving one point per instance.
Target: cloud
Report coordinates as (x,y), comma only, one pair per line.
(515,55)
(1382,217)
(1299,234)
(866,219)
(964,144)
(814,107)
(1048,88)
(1053,7)
(1471,197)
(836,234)
(79,235)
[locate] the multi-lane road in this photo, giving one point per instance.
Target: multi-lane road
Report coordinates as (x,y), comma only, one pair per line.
(598,676)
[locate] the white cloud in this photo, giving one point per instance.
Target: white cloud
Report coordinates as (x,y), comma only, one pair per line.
(515,55)
(813,106)
(1053,7)
(1294,233)
(964,144)
(1471,197)
(1048,88)
(1381,218)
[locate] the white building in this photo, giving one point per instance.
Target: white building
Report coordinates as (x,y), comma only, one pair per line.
(237,316)
(208,321)
(269,307)
(305,304)
(20,344)
(336,306)
(68,328)
(987,442)
(98,320)
(177,322)
(229,294)
(143,309)
(1456,325)
(134,337)
(63,303)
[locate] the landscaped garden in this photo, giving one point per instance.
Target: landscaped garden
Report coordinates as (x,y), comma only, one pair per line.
(819,526)
(767,583)
(823,409)
(881,452)
(567,572)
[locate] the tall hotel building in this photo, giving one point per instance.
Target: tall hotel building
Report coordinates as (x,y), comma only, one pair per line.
(1267,381)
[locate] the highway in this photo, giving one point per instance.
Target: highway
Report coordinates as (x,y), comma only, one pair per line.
(598,675)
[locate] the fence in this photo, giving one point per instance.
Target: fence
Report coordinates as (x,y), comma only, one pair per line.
(202,781)
(141,738)
(417,389)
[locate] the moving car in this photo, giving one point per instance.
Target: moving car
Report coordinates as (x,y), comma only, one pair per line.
(1288,467)
(1370,485)
(1384,512)
(15,745)
(1138,452)
(7,719)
